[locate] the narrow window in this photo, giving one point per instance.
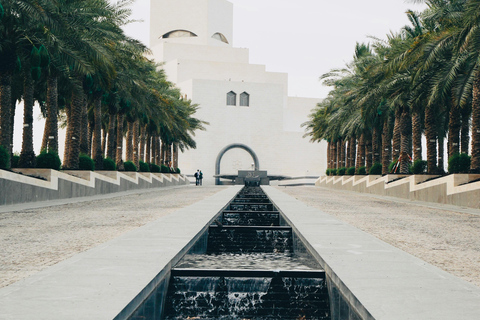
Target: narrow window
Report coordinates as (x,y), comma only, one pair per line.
(231,99)
(244,99)
(220,37)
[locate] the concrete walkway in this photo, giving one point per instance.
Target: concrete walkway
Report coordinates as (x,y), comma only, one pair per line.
(100,282)
(380,281)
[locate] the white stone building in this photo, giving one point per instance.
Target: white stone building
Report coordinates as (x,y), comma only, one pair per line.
(245,105)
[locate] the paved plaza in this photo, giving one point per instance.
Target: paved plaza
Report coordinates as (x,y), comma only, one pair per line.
(36,238)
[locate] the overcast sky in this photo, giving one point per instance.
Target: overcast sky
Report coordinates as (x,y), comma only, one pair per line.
(304,38)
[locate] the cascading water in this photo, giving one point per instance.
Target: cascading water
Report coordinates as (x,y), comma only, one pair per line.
(250,270)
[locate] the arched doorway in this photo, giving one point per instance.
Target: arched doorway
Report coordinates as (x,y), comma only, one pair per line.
(233,146)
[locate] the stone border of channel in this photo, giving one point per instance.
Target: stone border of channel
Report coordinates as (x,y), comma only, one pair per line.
(376,280)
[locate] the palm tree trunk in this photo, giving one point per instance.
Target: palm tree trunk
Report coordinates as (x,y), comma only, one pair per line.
(84,136)
(335,154)
(397,136)
(160,157)
(465,130)
(111,137)
(136,142)
(74,128)
(441,152)
(6,109)
(475,164)
(406,140)
(143,130)
(368,154)
(68,134)
(431,137)
(97,154)
(168,155)
(386,146)
(360,153)
(129,146)
(416,136)
(454,130)
(175,155)
(51,126)
(329,146)
(104,141)
(27,155)
(343,162)
(148,153)
(119,151)
(352,146)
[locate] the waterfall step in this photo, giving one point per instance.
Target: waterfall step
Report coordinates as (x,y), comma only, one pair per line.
(247,239)
(249,218)
(242,273)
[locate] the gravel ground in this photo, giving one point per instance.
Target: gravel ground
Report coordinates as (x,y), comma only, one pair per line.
(440,235)
(32,240)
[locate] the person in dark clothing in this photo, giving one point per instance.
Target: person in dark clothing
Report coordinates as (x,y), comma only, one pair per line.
(197,177)
(200,177)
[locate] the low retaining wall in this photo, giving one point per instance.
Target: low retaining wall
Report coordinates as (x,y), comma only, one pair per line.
(30,185)
(454,189)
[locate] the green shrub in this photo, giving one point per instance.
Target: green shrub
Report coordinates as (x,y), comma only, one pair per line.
(143,167)
(418,167)
(351,171)
(109,165)
(391,166)
(154,168)
(164,169)
(362,171)
(333,172)
(178,170)
(15,158)
(130,166)
(376,169)
(459,163)
(4,158)
(341,171)
(327,172)
(86,163)
(48,160)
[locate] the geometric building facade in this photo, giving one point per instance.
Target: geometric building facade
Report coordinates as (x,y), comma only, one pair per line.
(243,103)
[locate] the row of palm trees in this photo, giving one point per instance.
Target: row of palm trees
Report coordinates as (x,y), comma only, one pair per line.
(421,80)
(73,58)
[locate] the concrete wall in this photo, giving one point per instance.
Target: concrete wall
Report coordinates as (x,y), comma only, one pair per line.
(454,189)
(30,185)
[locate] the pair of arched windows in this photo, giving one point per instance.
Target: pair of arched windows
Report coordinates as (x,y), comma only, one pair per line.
(232,99)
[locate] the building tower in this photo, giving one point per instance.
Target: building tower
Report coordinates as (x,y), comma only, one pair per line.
(251,118)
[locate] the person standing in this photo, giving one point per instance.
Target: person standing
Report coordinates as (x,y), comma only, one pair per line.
(200,177)
(197,177)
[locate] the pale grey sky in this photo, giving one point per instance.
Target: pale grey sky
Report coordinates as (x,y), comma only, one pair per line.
(304,38)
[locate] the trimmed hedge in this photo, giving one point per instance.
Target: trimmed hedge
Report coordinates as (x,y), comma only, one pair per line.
(130,166)
(376,169)
(4,158)
(418,167)
(164,169)
(459,163)
(109,165)
(86,163)
(15,159)
(154,168)
(362,171)
(143,167)
(351,171)
(48,160)
(341,171)
(178,170)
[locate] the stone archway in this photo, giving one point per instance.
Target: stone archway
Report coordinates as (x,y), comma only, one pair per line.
(233,146)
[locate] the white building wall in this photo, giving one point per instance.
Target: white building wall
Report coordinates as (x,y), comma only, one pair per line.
(206,71)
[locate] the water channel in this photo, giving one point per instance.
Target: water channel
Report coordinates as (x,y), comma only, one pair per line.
(248,265)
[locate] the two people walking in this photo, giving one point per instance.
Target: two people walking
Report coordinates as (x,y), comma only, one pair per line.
(198,177)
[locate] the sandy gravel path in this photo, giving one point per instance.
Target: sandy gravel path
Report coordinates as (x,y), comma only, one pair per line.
(31,240)
(445,237)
